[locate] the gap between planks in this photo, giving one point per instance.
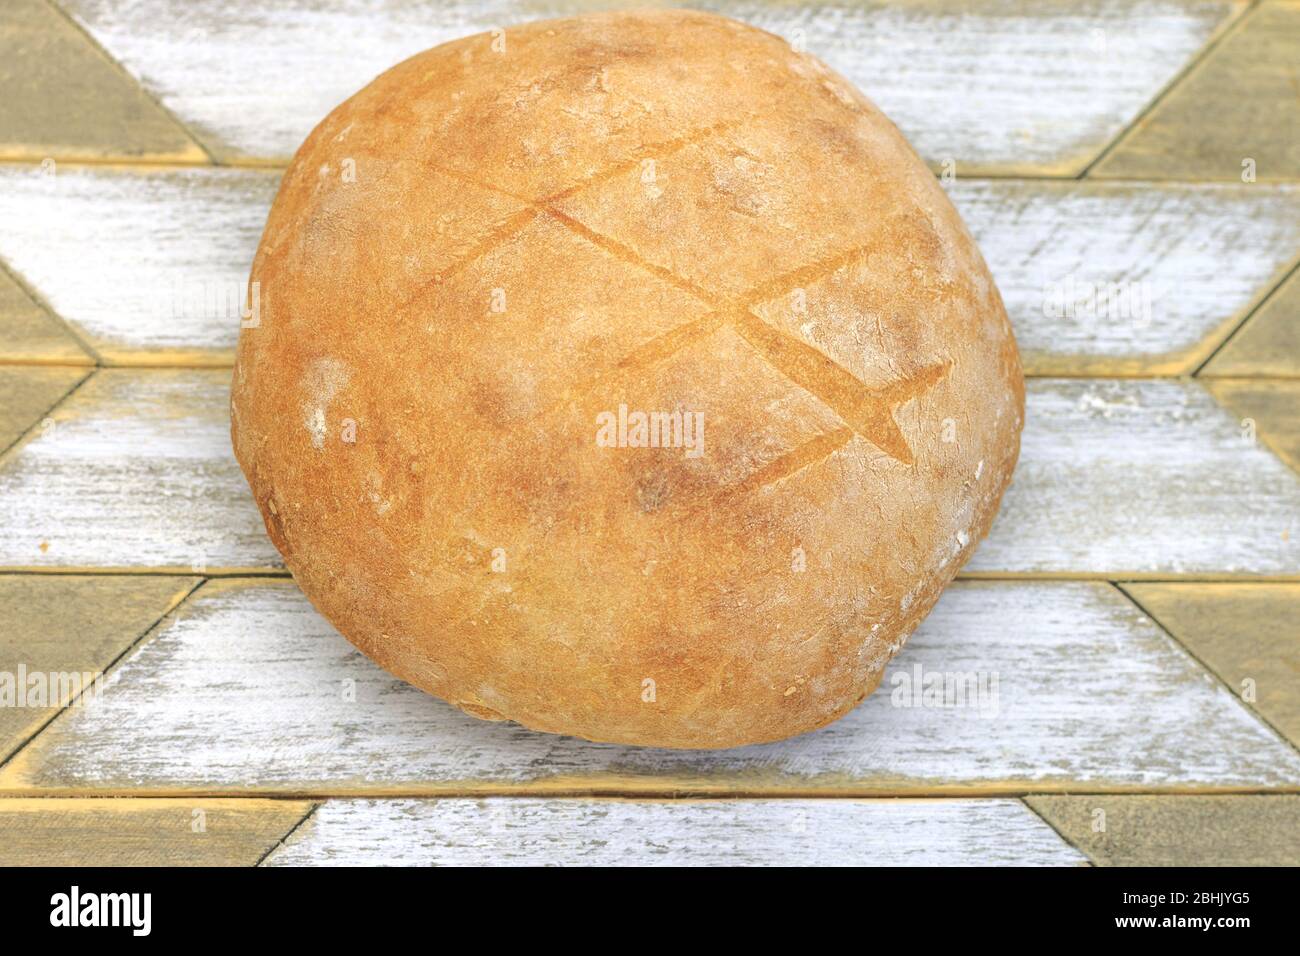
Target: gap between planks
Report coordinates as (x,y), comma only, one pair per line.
(319,798)
(614,788)
(311,811)
(167,362)
(972,173)
(1107,577)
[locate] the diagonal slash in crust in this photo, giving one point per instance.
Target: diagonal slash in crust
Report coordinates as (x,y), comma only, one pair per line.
(866,412)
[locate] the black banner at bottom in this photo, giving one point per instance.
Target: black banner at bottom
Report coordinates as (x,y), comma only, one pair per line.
(336,905)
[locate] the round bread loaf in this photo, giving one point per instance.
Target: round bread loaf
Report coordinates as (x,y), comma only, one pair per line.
(625,376)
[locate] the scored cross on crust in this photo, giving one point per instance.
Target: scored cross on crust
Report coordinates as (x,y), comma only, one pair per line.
(866,411)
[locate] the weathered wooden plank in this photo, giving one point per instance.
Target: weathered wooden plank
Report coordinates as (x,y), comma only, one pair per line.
(1128,478)
(1098,278)
(1129,279)
(162,256)
(28,394)
(134,470)
(61,633)
(60,97)
(53,832)
(1249,634)
(1269,342)
(247,688)
(1234,114)
(1270,408)
(1184,830)
(999,85)
(30,334)
(1133,478)
(515,832)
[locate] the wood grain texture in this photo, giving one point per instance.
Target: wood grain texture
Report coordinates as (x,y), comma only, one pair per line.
(515,832)
(1184,830)
(1128,478)
(134,470)
(1001,85)
(53,832)
(1273,407)
(1248,634)
(60,97)
(164,257)
(61,633)
(1128,279)
(246,688)
(28,394)
(1269,342)
(30,334)
(1240,102)
(1132,478)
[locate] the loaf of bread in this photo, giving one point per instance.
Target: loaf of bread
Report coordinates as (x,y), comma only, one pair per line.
(625,376)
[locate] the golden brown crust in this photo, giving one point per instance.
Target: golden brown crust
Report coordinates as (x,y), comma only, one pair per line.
(663,210)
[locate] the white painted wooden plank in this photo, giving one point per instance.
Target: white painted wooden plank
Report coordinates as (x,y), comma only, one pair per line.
(524,832)
(1115,477)
(133,470)
(247,687)
(146,264)
(163,257)
(1131,278)
(1138,477)
(1000,83)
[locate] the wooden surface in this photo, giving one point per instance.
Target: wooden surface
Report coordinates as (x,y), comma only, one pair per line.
(144,832)
(1189,830)
(983,84)
(1273,407)
(133,470)
(1248,86)
(245,688)
(458,832)
(72,626)
(1129,628)
(55,80)
(1269,342)
(1246,634)
(28,396)
(186,237)
(30,334)
(1135,478)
